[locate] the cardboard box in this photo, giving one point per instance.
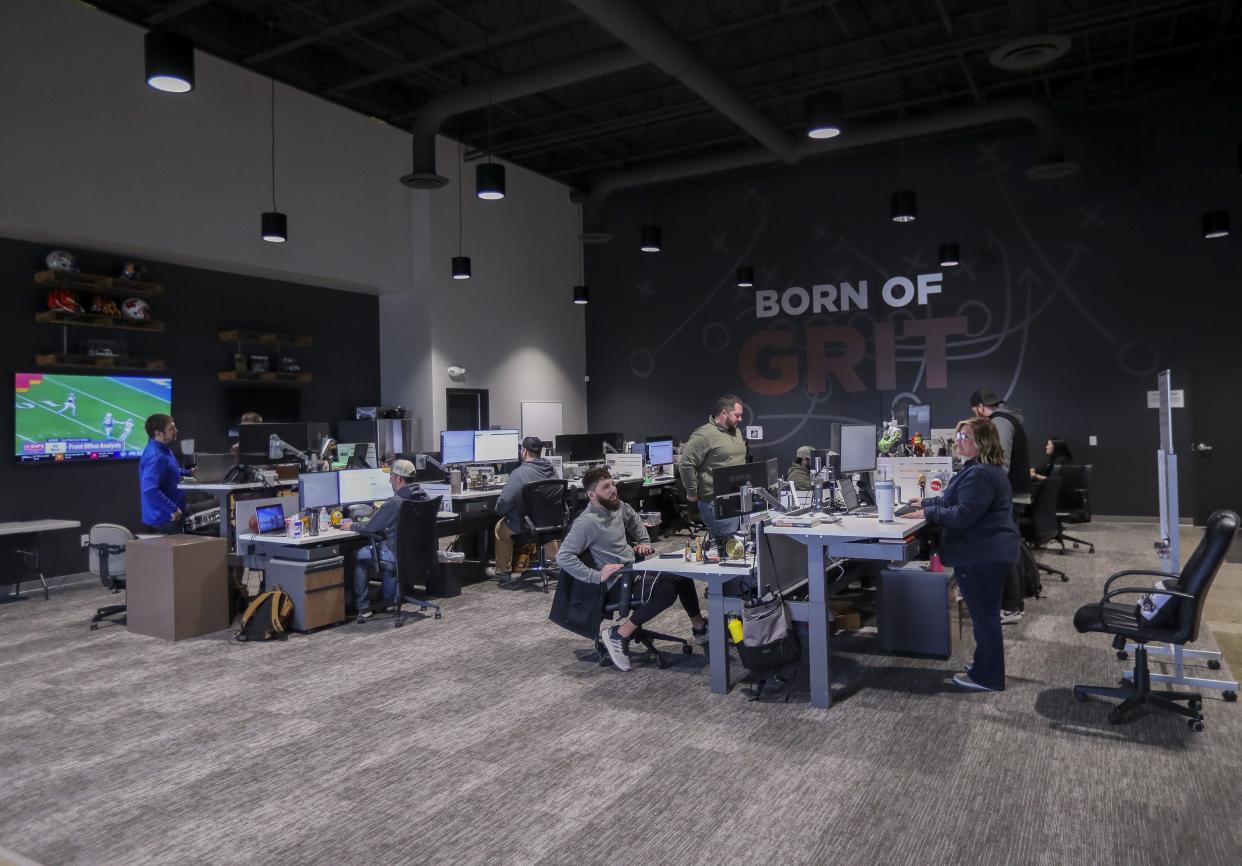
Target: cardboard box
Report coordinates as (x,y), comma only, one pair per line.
(177,586)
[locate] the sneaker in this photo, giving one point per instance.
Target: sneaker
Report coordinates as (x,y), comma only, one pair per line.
(700,634)
(1009,617)
(364,615)
(493,572)
(609,637)
(963,681)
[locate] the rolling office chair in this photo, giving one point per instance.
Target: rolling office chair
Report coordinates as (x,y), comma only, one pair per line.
(1074,503)
(1176,623)
(107,559)
(626,596)
(543,514)
(416,549)
(687,512)
(1039,525)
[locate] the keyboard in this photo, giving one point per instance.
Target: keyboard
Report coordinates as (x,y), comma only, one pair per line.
(903,510)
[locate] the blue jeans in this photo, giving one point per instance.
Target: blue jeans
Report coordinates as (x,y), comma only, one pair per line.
(362,575)
(718,529)
(981,587)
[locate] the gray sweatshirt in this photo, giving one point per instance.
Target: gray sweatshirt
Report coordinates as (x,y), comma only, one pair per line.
(1004,429)
(605,536)
(509,503)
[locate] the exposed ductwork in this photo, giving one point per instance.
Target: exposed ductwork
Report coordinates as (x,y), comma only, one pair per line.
(1050,162)
(433,115)
(1032,46)
(646,34)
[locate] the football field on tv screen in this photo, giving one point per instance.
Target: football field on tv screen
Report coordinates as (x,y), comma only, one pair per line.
(91,422)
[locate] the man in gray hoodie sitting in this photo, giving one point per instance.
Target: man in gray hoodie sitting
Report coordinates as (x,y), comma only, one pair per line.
(610,535)
(509,506)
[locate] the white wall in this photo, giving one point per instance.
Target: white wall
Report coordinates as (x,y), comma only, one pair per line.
(513,325)
(94,158)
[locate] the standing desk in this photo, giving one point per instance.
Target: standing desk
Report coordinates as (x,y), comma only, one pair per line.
(25,540)
(851,538)
(223,492)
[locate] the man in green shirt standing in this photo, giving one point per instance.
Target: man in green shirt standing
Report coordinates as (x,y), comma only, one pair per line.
(717,443)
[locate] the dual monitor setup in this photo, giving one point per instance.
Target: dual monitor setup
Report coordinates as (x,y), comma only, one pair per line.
(344,487)
(504,446)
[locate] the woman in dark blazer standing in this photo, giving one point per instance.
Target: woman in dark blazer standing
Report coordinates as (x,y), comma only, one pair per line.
(979,538)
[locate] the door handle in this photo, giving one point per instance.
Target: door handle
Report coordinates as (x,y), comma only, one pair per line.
(1202,449)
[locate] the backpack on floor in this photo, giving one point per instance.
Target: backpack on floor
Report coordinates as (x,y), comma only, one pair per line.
(267,617)
(769,645)
(1029,580)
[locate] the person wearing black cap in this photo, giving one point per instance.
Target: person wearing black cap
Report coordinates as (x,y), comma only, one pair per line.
(532,468)
(1008,421)
(799,474)
(384,524)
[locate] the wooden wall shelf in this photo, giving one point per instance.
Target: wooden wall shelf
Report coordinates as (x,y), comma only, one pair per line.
(289,378)
(100,285)
(94,320)
(100,363)
(238,335)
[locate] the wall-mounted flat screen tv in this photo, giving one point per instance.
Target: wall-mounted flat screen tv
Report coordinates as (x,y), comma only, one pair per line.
(77,418)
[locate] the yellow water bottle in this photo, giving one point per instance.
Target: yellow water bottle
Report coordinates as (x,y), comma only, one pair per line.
(735,629)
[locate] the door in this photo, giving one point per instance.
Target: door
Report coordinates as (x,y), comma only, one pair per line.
(466,409)
(1214,401)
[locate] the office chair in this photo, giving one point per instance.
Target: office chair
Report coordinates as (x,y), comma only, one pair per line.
(416,548)
(687,512)
(1074,503)
(623,598)
(1039,525)
(543,514)
(107,559)
(1176,623)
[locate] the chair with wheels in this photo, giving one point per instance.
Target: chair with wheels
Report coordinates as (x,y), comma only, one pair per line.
(1176,623)
(107,543)
(416,551)
(545,519)
(687,513)
(625,596)
(1039,525)
(1074,502)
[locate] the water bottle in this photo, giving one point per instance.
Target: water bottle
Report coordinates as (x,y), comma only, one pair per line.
(735,629)
(817,488)
(884,496)
(325,522)
(295,528)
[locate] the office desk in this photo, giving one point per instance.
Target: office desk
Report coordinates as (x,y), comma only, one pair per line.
(850,538)
(24,535)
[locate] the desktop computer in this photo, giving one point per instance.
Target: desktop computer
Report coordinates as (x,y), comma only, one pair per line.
(497,446)
(318,490)
(363,485)
(858,448)
(456,446)
(660,452)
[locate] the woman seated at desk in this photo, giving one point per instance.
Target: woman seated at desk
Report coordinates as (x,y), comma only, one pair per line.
(1058,453)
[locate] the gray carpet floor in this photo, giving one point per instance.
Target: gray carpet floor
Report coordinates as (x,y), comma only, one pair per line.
(492,737)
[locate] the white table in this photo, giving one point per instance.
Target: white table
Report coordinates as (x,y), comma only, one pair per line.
(25,539)
(851,537)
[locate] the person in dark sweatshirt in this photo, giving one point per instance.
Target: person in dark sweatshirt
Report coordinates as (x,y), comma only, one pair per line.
(799,474)
(1011,431)
(979,538)
(509,506)
(384,524)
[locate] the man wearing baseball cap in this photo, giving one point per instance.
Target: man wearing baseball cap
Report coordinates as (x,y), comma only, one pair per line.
(509,506)
(1008,421)
(384,524)
(799,475)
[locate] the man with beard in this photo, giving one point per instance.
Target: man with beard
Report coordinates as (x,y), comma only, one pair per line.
(717,443)
(602,534)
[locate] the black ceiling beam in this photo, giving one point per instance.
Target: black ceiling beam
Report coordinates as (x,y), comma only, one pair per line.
(333,30)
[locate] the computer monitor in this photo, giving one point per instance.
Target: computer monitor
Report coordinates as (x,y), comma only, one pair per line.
(659,451)
(919,416)
(318,490)
(858,448)
(363,457)
(497,446)
(363,485)
(727,480)
(587,446)
(456,446)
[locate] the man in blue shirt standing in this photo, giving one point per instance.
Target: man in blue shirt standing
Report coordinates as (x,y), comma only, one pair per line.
(159,473)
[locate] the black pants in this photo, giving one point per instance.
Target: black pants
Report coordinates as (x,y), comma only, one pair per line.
(169,528)
(982,586)
(657,594)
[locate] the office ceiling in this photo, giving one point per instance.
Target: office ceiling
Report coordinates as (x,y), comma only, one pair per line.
(888,58)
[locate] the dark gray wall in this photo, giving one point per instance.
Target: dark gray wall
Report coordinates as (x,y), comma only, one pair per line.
(198,303)
(1074,292)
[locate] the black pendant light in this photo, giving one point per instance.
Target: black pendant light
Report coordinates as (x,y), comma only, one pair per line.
(745,277)
(169,62)
(461,263)
(904,206)
(1216,224)
(650,241)
(823,109)
(274,227)
(950,255)
(582,295)
(489,180)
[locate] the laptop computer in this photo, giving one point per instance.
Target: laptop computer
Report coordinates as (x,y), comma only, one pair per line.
(849,495)
(271,519)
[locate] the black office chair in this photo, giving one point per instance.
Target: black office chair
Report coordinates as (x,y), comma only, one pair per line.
(626,596)
(416,548)
(1039,525)
(1175,623)
(543,514)
(107,559)
(1074,503)
(687,513)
